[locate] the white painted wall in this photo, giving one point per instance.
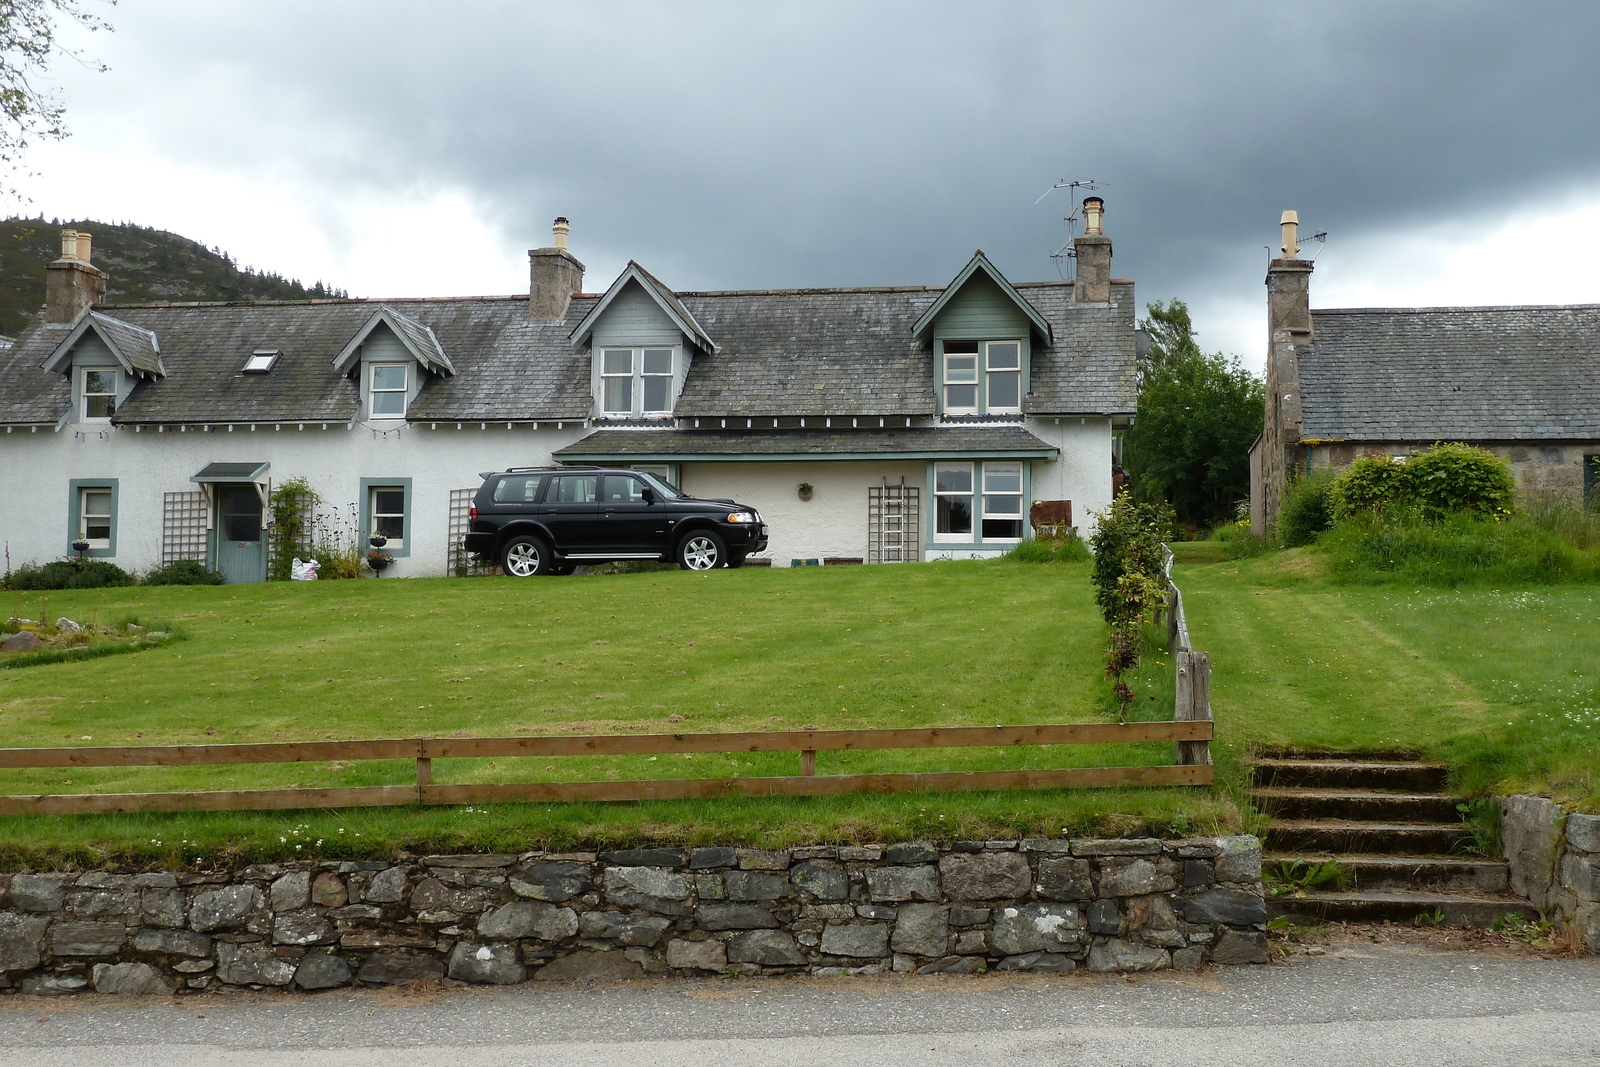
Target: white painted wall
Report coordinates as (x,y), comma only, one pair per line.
(35,469)
(832,523)
(1082,474)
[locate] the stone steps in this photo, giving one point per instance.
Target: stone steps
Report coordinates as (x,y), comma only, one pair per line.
(1367,774)
(1402,906)
(1389,821)
(1293,803)
(1436,873)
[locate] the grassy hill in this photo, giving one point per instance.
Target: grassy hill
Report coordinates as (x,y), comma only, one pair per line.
(145,265)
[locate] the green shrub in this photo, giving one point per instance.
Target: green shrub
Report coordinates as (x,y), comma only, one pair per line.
(70,574)
(1306,509)
(183,572)
(1372,485)
(1237,540)
(1127,541)
(1455,479)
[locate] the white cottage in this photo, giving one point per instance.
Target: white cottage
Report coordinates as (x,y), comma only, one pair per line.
(924,420)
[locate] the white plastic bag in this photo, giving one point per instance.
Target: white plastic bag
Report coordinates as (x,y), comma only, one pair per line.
(303,572)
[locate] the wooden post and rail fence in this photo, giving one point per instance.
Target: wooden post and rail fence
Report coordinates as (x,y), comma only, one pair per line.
(1193,700)
(1191,731)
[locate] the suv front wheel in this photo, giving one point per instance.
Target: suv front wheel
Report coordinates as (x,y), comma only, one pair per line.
(701,551)
(525,556)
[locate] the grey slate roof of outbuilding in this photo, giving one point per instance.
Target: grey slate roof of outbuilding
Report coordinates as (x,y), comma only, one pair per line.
(780,352)
(1464,374)
(915,442)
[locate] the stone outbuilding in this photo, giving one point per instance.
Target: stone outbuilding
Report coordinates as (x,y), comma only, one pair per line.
(1351,382)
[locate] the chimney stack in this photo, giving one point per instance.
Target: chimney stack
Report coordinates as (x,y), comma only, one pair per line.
(1093,252)
(554,275)
(1288,327)
(72,285)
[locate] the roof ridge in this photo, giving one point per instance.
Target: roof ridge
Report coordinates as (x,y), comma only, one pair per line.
(1461,307)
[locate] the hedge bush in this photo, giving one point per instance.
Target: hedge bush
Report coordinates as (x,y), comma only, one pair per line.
(1307,509)
(183,572)
(1372,485)
(69,574)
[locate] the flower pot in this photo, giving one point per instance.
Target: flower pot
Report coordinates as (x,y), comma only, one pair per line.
(377,565)
(806,494)
(377,540)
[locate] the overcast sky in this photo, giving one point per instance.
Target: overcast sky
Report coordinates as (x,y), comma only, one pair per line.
(1448,149)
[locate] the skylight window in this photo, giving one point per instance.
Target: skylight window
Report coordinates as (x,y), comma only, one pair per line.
(261,361)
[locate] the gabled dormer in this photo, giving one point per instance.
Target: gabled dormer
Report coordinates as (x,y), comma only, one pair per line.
(104,358)
(642,341)
(982,332)
(392,354)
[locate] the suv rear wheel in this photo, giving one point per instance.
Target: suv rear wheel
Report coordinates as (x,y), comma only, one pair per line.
(525,556)
(702,551)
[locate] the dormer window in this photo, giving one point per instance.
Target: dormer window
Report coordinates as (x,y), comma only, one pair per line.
(260,362)
(99,390)
(636,381)
(387,386)
(982,377)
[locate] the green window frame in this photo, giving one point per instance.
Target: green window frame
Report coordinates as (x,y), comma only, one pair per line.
(973,373)
(79,489)
(990,499)
(373,510)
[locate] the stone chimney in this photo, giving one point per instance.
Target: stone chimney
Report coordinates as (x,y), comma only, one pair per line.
(1288,328)
(71,284)
(554,275)
(1093,251)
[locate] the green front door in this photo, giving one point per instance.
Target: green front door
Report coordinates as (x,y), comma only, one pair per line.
(239,549)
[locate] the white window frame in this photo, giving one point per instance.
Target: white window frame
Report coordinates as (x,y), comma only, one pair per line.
(992,468)
(84,396)
(970,495)
(990,373)
(394,544)
(373,392)
(85,515)
(636,377)
(975,382)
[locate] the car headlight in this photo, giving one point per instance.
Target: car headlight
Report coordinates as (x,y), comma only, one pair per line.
(742,516)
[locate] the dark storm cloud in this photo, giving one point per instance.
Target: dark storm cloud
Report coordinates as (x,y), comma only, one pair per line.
(751,145)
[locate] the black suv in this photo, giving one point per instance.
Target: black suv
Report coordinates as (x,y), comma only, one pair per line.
(547,520)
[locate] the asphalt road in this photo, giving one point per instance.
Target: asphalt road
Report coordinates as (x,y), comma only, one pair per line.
(1358,1005)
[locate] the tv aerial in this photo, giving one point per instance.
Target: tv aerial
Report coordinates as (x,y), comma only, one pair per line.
(1073,186)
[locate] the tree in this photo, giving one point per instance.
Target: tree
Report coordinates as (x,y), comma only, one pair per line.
(1198,413)
(28,43)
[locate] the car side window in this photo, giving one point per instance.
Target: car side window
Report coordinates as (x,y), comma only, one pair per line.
(519,489)
(575,488)
(622,489)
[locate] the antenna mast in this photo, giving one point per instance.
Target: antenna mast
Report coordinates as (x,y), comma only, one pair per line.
(1067,252)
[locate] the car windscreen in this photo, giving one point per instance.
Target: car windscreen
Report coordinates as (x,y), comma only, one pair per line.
(666,491)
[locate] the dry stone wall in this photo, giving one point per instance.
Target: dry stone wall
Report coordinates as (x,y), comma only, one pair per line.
(1555,861)
(1037,905)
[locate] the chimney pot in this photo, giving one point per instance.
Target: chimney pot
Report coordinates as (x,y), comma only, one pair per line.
(69,244)
(1093,209)
(1291,236)
(83,247)
(561,229)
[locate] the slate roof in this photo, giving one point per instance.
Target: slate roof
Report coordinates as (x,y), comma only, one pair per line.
(851,352)
(816,352)
(1461,374)
(139,347)
(921,442)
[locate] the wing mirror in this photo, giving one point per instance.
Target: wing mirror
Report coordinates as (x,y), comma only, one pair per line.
(649,495)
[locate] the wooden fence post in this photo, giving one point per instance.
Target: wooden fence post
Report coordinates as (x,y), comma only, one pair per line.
(1193,703)
(808,761)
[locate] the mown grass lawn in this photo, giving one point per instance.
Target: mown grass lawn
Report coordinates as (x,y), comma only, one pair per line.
(1502,683)
(928,645)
